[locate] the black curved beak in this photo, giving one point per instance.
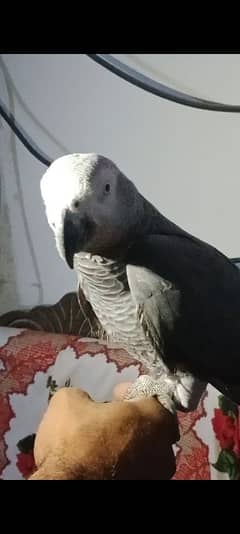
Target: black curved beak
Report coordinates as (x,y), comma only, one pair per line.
(76,232)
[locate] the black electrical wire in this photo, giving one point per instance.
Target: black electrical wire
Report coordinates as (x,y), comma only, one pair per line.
(23,136)
(134,77)
(151,86)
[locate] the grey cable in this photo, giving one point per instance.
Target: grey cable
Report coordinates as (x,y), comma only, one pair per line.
(18,98)
(25,139)
(20,194)
(132,76)
(156,88)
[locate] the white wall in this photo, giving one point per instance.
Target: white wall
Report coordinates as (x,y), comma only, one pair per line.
(185,161)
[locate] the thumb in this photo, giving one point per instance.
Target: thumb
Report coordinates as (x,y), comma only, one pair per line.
(120,390)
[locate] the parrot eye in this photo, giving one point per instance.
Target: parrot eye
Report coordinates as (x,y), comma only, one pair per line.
(107,188)
(76,204)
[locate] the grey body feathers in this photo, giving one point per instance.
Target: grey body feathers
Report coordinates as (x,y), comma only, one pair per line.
(174,300)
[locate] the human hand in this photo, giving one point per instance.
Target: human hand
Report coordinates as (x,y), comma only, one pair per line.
(80,439)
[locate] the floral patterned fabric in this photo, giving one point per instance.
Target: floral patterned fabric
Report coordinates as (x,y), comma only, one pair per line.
(33,365)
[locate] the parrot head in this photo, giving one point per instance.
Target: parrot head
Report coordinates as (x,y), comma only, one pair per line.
(90,205)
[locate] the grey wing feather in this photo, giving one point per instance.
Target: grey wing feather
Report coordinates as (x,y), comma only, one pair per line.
(157,302)
(189,298)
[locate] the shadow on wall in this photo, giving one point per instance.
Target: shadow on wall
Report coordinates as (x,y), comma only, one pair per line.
(8,291)
(9,298)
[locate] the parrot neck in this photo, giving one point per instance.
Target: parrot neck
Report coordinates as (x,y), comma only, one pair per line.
(149,222)
(157,223)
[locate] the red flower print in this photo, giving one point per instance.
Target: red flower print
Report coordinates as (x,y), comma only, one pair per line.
(236,447)
(225,429)
(25,463)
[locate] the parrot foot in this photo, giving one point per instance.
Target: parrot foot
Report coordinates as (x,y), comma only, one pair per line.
(145,386)
(175,392)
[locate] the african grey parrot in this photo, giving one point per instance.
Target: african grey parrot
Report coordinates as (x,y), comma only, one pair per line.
(170,299)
